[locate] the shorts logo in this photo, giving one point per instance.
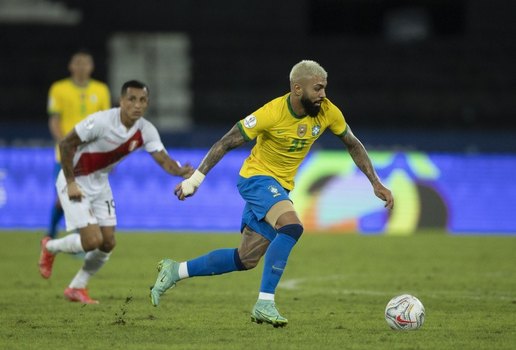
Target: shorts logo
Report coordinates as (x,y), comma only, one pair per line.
(250,121)
(301,130)
(316,130)
(274,191)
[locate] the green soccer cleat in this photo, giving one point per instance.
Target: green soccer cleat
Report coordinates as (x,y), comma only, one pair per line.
(265,311)
(168,275)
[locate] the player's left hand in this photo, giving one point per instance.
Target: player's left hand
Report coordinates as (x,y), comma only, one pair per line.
(384,194)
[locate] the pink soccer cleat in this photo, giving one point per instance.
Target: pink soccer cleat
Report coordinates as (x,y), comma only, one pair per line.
(80,295)
(46,259)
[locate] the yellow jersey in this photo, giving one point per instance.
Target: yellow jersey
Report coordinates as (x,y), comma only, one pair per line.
(74,103)
(283,139)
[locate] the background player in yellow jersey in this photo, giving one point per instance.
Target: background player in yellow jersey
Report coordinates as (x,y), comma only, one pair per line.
(284,129)
(70,100)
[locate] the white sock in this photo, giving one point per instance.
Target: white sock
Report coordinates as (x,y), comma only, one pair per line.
(266,296)
(93,261)
(68,244)
(80,280)
(183,270)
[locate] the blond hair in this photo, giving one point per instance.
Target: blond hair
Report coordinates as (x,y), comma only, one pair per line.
(307,69)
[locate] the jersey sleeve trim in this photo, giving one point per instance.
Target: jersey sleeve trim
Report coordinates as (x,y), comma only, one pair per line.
(344,132)
(241,128)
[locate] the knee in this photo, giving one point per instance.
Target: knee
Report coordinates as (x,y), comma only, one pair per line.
(293,230)
(91,242)
(108,244)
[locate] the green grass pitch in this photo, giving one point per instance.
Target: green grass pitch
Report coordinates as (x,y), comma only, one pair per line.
(334,291)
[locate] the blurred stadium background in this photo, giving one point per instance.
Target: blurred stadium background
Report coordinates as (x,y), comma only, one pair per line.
(428,85)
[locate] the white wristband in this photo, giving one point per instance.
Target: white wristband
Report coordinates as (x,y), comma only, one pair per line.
(192,183)
(197,178)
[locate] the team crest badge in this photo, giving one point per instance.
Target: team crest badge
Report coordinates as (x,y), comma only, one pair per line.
(301,130)
(316,130)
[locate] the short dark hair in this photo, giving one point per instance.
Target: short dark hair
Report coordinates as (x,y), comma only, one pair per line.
(81,51)
(134,84)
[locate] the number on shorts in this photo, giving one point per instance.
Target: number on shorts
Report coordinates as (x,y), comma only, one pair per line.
(110,204)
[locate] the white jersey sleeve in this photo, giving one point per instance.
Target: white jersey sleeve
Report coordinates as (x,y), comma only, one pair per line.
(92,127)
(151,140)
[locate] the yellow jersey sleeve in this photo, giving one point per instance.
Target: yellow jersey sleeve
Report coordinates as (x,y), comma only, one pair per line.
(55,105)
(257,122)
(337,123)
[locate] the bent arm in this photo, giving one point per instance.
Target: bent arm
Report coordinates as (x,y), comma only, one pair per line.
(68,147)
(231,140)
(359,155)
(170,165)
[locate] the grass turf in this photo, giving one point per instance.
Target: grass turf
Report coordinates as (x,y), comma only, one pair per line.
(334,291)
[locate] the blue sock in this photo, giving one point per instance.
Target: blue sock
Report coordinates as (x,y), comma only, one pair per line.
(215,262)
(277,255)
(55,216)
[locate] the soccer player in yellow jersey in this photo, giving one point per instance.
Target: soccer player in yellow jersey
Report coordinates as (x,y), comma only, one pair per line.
(284,129)
(70,100)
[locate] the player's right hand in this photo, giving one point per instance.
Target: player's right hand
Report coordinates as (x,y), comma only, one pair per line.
(184,189)
(188,187)
(74,192)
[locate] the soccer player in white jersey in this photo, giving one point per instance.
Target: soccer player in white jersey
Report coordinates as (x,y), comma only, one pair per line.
(88,154)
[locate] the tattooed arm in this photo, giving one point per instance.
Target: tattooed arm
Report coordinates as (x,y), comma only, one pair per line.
(359,155)
(171,166)
(231,140)
(67,148)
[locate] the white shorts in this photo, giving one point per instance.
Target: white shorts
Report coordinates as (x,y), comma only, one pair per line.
(96,208)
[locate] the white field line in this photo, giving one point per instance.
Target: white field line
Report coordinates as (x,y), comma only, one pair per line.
(297,283)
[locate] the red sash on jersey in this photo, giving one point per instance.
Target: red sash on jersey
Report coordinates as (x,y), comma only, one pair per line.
(91,162)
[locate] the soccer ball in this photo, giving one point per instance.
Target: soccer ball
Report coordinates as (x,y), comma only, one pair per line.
(405,312)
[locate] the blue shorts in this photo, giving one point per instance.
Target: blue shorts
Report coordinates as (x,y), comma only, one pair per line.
(260,194)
